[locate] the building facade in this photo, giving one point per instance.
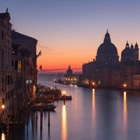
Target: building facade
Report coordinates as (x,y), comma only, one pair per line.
(6,70)
(107,52)
(107,71)
(18,69)
(25,64)
(70,78)
(130,53)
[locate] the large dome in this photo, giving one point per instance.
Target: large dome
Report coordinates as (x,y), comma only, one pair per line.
(106,48)
(107,51)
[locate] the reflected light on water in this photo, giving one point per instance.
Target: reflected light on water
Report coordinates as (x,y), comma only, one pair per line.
(3,136)
(64,123)
(93,107)
(125,110)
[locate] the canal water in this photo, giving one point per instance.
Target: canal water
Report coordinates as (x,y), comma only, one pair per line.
(93,114)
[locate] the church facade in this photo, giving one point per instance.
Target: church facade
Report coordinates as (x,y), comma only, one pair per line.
(108,72)
(70,78)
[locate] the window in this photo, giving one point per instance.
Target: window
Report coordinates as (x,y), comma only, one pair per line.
(2,35)
(12,62)
(8,79)
(19,66)
(16,65)
(2,60)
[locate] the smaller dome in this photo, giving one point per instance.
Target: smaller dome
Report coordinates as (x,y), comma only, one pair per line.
(126,52)
(69,71)
(136,45)
(130,53)
(127,44)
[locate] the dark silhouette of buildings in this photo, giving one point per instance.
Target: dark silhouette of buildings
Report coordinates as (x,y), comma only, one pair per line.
(6,71)
(25,66)
(107,52)
(18,69)
(71,78)
(108,72)
(130,53)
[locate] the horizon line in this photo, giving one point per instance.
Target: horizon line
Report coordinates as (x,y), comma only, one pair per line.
(58,69)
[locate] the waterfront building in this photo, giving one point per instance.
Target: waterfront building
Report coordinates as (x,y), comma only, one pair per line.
(108,72)
(129,70)
(136,81)
(71,78)
(130,53)
(18,69)
(107,52)
(25,64)
(6,71)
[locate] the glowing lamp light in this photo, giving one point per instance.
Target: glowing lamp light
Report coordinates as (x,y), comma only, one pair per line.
(93,83)
(3,106)
(124,85)
(3,137)
(64,92)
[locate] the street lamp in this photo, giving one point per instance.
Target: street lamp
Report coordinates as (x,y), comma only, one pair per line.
(93,84)
(64,92)
(3,107)
(124,85)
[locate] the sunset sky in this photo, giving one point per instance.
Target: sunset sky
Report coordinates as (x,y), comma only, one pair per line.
(70,31)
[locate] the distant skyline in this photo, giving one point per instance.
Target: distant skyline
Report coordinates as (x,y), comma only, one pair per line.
(70,32)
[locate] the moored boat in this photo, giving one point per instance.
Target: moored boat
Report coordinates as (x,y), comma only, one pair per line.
(43,107)
(65,97)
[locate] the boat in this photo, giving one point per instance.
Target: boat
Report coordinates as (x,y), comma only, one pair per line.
(43,107)
(65,97)
(59,81)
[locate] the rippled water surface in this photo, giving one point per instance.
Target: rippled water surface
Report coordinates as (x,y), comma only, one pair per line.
(93,114)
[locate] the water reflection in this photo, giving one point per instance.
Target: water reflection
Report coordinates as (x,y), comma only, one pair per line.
(64,123)
(48,132)
(41,122)
(100,115)
(93,107)
(125,112)
(3,137)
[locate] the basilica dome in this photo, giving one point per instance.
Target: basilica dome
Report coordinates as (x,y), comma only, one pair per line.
(130,53)
(107,48)
(69,71)
(107,51)
(126,52)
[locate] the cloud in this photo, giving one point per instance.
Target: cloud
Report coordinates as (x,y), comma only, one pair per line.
(60,70)
(45,49)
